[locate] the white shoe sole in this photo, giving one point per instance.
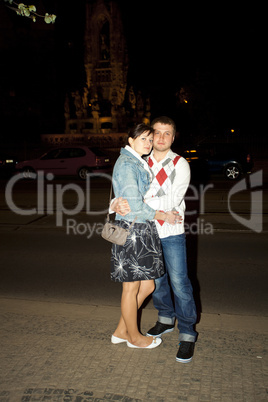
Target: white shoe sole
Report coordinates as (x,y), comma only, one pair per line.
(156,342)
(183,360)
(115,340)
(159,335)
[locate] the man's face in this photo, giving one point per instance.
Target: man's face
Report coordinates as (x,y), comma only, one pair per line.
(163,137)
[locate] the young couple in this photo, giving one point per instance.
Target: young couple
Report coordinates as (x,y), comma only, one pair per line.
(152,190)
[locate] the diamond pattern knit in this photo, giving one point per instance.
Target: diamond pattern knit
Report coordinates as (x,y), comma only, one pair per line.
(163,177)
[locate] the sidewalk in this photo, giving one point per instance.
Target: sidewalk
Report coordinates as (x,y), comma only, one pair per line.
(62,352)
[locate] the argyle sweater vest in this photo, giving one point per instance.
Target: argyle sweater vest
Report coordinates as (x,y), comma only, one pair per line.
(163,176)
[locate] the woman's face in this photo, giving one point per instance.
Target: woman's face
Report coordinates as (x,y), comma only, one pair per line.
(142,144)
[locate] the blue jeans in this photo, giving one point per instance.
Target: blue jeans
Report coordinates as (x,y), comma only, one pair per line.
(176,277)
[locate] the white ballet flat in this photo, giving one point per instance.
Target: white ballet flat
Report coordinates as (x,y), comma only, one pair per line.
(115,340)
(156,342)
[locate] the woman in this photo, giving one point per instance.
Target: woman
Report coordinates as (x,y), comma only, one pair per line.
(139,261)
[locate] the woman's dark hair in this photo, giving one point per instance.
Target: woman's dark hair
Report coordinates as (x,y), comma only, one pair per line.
(137,130)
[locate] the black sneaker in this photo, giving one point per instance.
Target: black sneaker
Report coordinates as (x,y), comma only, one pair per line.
(185,352)
(160,329)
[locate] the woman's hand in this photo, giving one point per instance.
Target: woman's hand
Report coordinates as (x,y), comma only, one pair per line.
(173,217)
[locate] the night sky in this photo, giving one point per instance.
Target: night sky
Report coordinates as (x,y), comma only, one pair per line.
(216,50)
(220,44)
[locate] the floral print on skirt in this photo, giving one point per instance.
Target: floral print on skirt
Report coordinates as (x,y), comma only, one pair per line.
(141,256)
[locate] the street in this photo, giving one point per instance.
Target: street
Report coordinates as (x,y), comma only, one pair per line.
(70,263)
(59,308)
(228,270)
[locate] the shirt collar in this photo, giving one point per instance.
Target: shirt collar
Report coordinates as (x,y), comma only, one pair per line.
(144,162)
(168,155)
(129,149)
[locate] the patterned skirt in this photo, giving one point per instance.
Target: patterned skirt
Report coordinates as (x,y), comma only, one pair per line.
(141,256)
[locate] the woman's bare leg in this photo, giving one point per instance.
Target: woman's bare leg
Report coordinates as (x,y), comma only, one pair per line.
(146,288)
(132,298)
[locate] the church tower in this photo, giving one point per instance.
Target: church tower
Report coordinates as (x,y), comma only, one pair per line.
(106,60)
(101,108)
(107,104)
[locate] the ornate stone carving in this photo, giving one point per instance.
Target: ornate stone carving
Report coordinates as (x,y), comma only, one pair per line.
(105,100)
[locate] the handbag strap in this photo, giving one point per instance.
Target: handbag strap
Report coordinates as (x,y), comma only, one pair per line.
(132,223)
(108,215)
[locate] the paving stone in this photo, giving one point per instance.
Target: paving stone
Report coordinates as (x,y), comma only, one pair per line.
(63,353)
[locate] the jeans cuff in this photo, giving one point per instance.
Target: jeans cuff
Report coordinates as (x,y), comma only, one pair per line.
(166,320)
(187,338)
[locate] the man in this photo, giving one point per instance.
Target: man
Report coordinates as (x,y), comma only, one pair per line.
(171,177)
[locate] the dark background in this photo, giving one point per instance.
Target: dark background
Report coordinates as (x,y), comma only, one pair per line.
(214,51)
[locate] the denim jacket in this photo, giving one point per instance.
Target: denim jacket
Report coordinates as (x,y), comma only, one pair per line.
(131,181)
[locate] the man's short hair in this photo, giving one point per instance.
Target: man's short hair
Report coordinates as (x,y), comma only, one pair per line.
(165,120)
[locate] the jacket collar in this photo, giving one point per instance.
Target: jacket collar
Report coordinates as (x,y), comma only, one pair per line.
(128,151)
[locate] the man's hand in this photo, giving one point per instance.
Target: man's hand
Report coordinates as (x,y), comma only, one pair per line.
(120,206)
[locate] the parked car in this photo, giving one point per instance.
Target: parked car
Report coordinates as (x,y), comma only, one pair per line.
(229,160)
(7,165)
(68,161)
